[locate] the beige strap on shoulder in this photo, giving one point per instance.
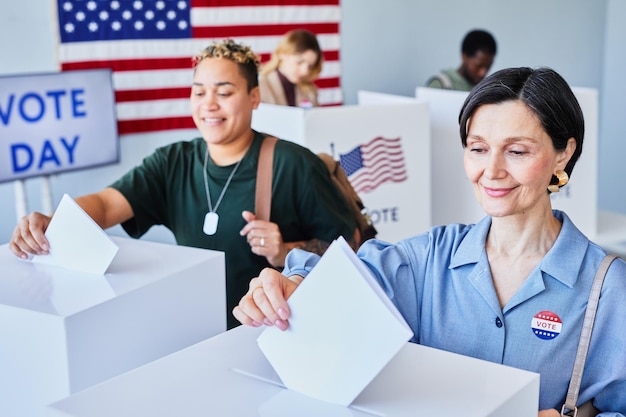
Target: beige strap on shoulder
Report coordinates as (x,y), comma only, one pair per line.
(585,336)
(263,193)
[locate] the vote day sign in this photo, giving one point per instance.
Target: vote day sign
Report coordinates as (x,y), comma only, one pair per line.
(56,122)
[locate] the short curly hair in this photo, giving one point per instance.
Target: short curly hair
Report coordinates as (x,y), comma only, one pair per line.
(247,61)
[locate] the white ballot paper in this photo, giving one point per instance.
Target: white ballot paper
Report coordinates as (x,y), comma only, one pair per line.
(343,330)
(76,241)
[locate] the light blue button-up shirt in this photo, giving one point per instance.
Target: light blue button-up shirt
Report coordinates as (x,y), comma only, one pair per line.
(441,283)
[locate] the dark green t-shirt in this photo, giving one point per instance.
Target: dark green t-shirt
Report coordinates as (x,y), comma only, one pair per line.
(168,189)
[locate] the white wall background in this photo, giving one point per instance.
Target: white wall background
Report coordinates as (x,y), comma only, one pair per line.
(390,46)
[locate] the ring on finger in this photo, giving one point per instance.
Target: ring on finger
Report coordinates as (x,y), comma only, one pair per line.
(262,242)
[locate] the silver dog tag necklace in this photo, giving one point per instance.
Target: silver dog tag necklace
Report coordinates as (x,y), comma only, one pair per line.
(211,219)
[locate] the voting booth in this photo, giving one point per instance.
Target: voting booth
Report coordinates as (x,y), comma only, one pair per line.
(228,375)
(384,149)
(64,331)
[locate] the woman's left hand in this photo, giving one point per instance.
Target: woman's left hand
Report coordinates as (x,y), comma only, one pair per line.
(264,239)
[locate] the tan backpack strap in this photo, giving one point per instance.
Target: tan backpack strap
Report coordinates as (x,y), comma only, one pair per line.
(585,336)
(263,193)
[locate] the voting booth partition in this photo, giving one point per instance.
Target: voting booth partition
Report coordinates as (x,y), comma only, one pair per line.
(64,331)
(451,198)
(384,149)
(454,200)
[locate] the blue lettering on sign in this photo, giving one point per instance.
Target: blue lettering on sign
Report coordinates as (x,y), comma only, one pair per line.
(76,102)
(5,116)
(57,105)
(23,155)
(70,148)
(19,166)
(38,103)
(48,154)
(31,106)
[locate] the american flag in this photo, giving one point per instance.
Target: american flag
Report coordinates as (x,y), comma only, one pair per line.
(374,163)
(149,44)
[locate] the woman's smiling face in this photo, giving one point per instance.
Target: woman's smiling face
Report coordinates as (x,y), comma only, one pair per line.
(221,104)
(510,159)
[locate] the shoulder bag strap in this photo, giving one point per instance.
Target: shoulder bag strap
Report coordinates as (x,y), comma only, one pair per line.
(263,193)
(585,336)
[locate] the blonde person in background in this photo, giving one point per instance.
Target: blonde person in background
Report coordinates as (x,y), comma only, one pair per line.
(287,78)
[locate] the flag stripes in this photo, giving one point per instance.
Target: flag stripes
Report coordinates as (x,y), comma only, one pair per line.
(152,77)
(379,161)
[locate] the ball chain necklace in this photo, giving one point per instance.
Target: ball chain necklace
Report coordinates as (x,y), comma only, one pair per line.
(211,218)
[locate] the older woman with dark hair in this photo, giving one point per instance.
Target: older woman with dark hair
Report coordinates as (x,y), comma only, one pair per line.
(480,289)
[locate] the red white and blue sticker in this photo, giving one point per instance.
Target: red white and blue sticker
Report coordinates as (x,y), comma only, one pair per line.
(546,325)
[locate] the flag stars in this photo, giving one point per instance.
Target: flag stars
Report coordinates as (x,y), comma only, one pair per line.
(85,19)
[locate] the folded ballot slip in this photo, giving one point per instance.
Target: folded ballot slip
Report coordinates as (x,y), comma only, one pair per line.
(342,332)
(76,241)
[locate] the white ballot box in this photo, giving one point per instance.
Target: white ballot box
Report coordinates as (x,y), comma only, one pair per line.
(384,149)
(63,330)
(228,375)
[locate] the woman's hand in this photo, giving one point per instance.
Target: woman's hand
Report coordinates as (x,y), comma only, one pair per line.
(28,236)
(549,413)
(265,303)
(265,239)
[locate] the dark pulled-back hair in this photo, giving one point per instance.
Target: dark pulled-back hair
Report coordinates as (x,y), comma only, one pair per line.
(545,92)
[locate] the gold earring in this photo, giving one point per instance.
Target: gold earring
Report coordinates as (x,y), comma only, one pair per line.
(562,179)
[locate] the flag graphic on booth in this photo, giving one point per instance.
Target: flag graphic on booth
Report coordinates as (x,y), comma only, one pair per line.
(149,45)
(369,165)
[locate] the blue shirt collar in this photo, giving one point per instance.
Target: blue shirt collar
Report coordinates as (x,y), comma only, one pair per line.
(563,261)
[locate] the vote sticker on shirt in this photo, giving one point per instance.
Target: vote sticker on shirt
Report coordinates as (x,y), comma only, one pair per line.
(546,325)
